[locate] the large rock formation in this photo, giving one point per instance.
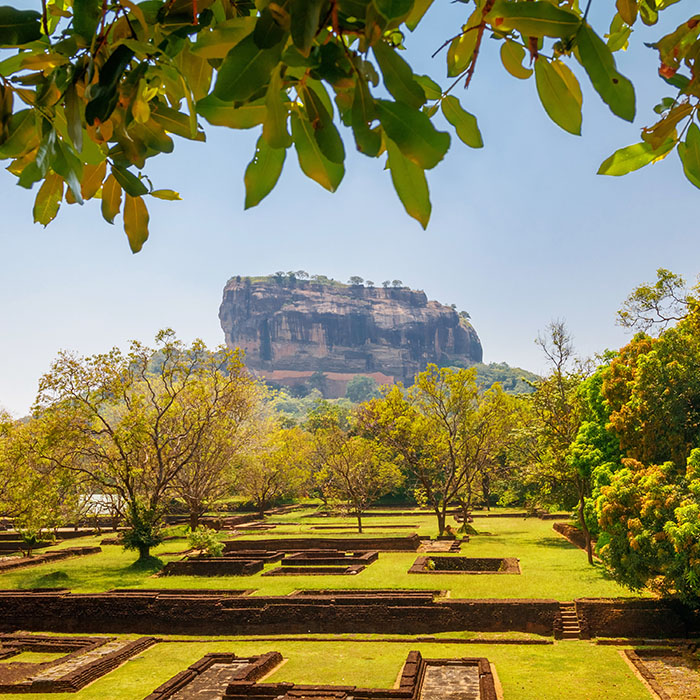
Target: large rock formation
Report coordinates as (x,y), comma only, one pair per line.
(293,328)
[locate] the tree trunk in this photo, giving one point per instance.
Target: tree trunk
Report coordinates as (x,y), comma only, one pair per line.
(194,520)
(144,551)
(486,490)
(359,522)
(584,526)
(441,518)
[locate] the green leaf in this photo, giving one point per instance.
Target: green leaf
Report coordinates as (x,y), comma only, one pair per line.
(197,72)
(410,184)
(398,76)
(217,42)
(393,9)
(368,140)
(512,55)
(625,160)
(267,32)
(689,153)
(221,113)
(539,18)
(111,199)
(174,122)
(135,222)
(559,102)
(461,49)
(6,104)
(168,195)
(615,90)
(306,15)
(152,135)
(464,123)
(131,184)
(86,17)
(48,200)
(69,167)
(93,175)
(245,70)
(321,121)
(627,10)
(431,89)
(104,96)
(277,105)
(22,134)
(413,133)
(74,118)
(18,27)
(420,7)
(311,160)
(262,172)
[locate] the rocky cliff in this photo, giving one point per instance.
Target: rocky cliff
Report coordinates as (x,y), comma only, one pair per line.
(304,326)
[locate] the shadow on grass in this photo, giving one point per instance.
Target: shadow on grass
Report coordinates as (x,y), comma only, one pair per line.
(56,579)
(555,543)
(147,565)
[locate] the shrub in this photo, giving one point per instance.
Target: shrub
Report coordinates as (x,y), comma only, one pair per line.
(206,541)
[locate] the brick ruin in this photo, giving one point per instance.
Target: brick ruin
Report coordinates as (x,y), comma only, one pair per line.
(237,679)
(465,565)
(83,660)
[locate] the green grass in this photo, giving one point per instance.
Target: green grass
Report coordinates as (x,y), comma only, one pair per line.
(33,657)
(551,566)
(575,670)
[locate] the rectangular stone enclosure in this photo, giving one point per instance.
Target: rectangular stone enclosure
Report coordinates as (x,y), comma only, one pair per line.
(465,565)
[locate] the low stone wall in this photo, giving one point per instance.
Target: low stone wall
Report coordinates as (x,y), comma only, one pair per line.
(56,555)
(258,667)
(154,613)
(619,617)
(573,534)
(410,543)
(77,674)
(213,566)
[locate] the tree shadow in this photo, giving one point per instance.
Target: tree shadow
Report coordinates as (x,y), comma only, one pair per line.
(556,543)
(145,566)
(56,579)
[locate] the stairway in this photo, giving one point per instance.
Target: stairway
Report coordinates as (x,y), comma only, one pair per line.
(569,621)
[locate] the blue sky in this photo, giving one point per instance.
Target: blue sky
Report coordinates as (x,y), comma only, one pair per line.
(523,230)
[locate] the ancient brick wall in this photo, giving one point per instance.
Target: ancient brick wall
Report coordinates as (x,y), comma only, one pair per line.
(153,613)
(619,617)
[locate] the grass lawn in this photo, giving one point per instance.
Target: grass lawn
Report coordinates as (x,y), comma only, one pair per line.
(551,566)
(575,670)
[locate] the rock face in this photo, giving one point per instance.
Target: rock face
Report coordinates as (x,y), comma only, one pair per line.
(306,326)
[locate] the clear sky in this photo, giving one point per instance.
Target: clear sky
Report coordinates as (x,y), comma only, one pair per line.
(523,231)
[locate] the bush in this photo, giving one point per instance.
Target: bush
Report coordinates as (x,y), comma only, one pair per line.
(206,541)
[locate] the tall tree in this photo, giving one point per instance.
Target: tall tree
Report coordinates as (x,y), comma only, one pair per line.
(210,474)
(438,430)
(556,413)
(131,423)
(353,469)
(279,468)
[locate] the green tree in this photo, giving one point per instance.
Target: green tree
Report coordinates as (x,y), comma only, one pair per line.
(651,518)
(131,423)
(210,474)
(361,388)
(437,430)
(353,469)
(556,419)
(279,469)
